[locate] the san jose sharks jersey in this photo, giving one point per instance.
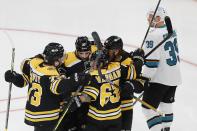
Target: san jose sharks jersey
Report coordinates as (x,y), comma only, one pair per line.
(163,65)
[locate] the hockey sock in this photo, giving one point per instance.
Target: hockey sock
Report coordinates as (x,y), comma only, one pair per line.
(154,120)
(167,119)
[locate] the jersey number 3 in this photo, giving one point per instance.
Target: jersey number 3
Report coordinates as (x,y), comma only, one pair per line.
(172,48)
(35,93)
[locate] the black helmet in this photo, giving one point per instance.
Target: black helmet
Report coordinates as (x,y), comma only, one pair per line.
(113,42)
(52,52)
(83,44)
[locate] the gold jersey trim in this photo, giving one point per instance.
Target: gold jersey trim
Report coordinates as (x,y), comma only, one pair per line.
(42,112)
(104,111)
(42,119)
(104,115)
(42,115)
(54,86)
(91,91)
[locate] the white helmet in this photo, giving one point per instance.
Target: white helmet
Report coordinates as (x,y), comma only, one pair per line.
(160,12)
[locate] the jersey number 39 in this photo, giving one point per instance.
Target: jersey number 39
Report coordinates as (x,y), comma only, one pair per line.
(172,48)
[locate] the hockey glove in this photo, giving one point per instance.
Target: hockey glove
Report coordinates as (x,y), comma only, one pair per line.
(16,78)
(10,76)
(76,104)
(127,89)
(82,78)
(138,59)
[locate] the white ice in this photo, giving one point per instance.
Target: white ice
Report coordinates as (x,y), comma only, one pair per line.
(66,19)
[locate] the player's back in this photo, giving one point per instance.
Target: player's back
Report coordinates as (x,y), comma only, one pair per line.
(43,106)
(105,106)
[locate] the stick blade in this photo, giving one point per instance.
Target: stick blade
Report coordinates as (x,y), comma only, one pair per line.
(97,40)
(169,25)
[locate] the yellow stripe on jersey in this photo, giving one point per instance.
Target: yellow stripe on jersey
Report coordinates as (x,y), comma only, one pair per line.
(26,79)
(42,112)
(91,91)
(42,119)
(127,108)
(127,101)
(132,73)
(54,85)
(46,70)
(104,115)
(71,59)
(127,62)
(104,118)
(93,96)
(91,88)
(104,111)
(42,115)
(127,105)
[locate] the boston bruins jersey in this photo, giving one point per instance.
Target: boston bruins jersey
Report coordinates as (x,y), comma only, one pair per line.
(42,106)
(73,64)
(105,105)
(126,99)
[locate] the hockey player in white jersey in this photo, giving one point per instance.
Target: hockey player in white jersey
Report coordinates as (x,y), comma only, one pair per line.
(162,66)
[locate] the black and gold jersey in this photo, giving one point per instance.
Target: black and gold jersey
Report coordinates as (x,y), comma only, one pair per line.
(43,106)
(105,102)
(73,64)
(126,99)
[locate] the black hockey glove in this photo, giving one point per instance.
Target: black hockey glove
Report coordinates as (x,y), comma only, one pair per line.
(138,59)
(82,78)
(76,104)
(10,76)
(16,78)
(127,89)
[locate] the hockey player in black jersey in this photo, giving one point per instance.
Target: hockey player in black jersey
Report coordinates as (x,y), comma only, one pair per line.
(104,111)
(43,103)
(104,97)
(114,45)
(78,60)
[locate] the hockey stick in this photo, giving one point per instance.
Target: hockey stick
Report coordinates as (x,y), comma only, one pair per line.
(170,33)
(98,42)
(150,23)
(66,109)
(10,84)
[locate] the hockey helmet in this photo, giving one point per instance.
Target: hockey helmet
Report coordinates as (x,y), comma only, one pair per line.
(160,12)
(113,42)
(83,44)
(52,52)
